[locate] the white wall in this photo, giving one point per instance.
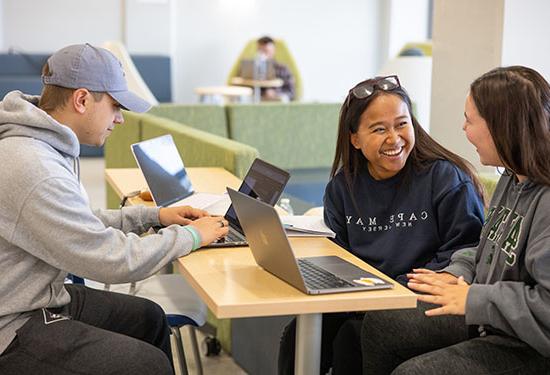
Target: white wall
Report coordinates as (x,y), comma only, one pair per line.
(45,26)
(471,37)
(149,26)
(467,42)
(408,23)
(526,38)
(335,44)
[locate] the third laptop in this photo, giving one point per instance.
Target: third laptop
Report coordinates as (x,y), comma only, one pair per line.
(272,251)
(263,181)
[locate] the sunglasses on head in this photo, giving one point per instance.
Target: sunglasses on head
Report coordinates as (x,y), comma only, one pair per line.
(367,88)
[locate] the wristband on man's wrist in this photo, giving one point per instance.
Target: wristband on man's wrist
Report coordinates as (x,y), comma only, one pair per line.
(196,237)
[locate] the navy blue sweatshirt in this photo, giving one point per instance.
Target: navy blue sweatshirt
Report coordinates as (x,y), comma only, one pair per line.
(415,219)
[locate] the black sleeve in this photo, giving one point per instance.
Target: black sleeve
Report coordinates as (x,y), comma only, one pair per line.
(459,222)
(334,214)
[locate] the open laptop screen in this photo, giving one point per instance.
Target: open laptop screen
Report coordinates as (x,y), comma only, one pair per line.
(264,182)
(265,71)
(162,167)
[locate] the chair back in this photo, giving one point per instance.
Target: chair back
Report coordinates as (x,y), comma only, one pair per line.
(282,55)
(424,47)
(135,82)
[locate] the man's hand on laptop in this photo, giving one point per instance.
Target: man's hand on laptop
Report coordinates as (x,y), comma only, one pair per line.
(181,215)
(211,228)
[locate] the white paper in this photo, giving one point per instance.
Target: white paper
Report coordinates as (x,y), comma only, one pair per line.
(220,207)
(306,226)
(200,200)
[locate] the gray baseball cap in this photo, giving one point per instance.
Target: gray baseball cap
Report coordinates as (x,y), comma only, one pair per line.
(95,69)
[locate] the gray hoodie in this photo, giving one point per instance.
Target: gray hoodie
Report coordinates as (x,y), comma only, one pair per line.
(47,227)
(510,268)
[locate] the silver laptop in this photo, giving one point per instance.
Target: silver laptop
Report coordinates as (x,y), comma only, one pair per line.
(249,70)
(161,165)
(263,181)
(272,251)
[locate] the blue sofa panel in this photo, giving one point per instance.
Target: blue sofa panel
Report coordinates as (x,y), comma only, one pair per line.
(21,64)
(156,72)
(21,71)
(27,84)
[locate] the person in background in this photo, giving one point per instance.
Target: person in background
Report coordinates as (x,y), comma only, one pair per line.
(487,312)
(47,230)
(266,50)
(396,199)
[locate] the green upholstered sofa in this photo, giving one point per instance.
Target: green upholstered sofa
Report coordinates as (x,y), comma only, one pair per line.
(198,148)
(289,135)
(209,118)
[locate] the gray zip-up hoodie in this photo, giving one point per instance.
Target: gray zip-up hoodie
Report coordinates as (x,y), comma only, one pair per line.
(510,268)
(47,227)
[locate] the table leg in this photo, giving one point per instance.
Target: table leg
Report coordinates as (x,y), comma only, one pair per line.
(308,344)
(257,94)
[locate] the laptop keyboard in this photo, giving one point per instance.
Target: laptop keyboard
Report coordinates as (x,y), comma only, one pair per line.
(232,237)
(316,277)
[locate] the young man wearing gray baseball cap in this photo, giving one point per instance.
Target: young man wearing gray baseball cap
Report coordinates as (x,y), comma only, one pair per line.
(47,230)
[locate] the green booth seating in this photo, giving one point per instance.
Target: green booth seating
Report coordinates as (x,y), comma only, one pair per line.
(289,135)
(198,148)
(209,118)
(489,181)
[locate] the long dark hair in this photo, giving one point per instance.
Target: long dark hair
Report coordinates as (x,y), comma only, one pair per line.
(425,151)
(514,101)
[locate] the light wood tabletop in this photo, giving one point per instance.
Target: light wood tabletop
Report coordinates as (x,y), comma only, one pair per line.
(224,94)
(233,286)
(264,83)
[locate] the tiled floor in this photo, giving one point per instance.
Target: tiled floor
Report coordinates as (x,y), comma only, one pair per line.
(92,177)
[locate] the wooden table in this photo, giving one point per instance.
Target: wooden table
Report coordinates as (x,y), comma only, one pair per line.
(257,85)
(233,286)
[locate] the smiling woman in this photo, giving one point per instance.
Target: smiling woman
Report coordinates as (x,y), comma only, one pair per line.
(385,136)
(391,184)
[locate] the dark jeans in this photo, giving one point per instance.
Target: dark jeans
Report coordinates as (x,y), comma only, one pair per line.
(402,342)
(339,341)
(106,333)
